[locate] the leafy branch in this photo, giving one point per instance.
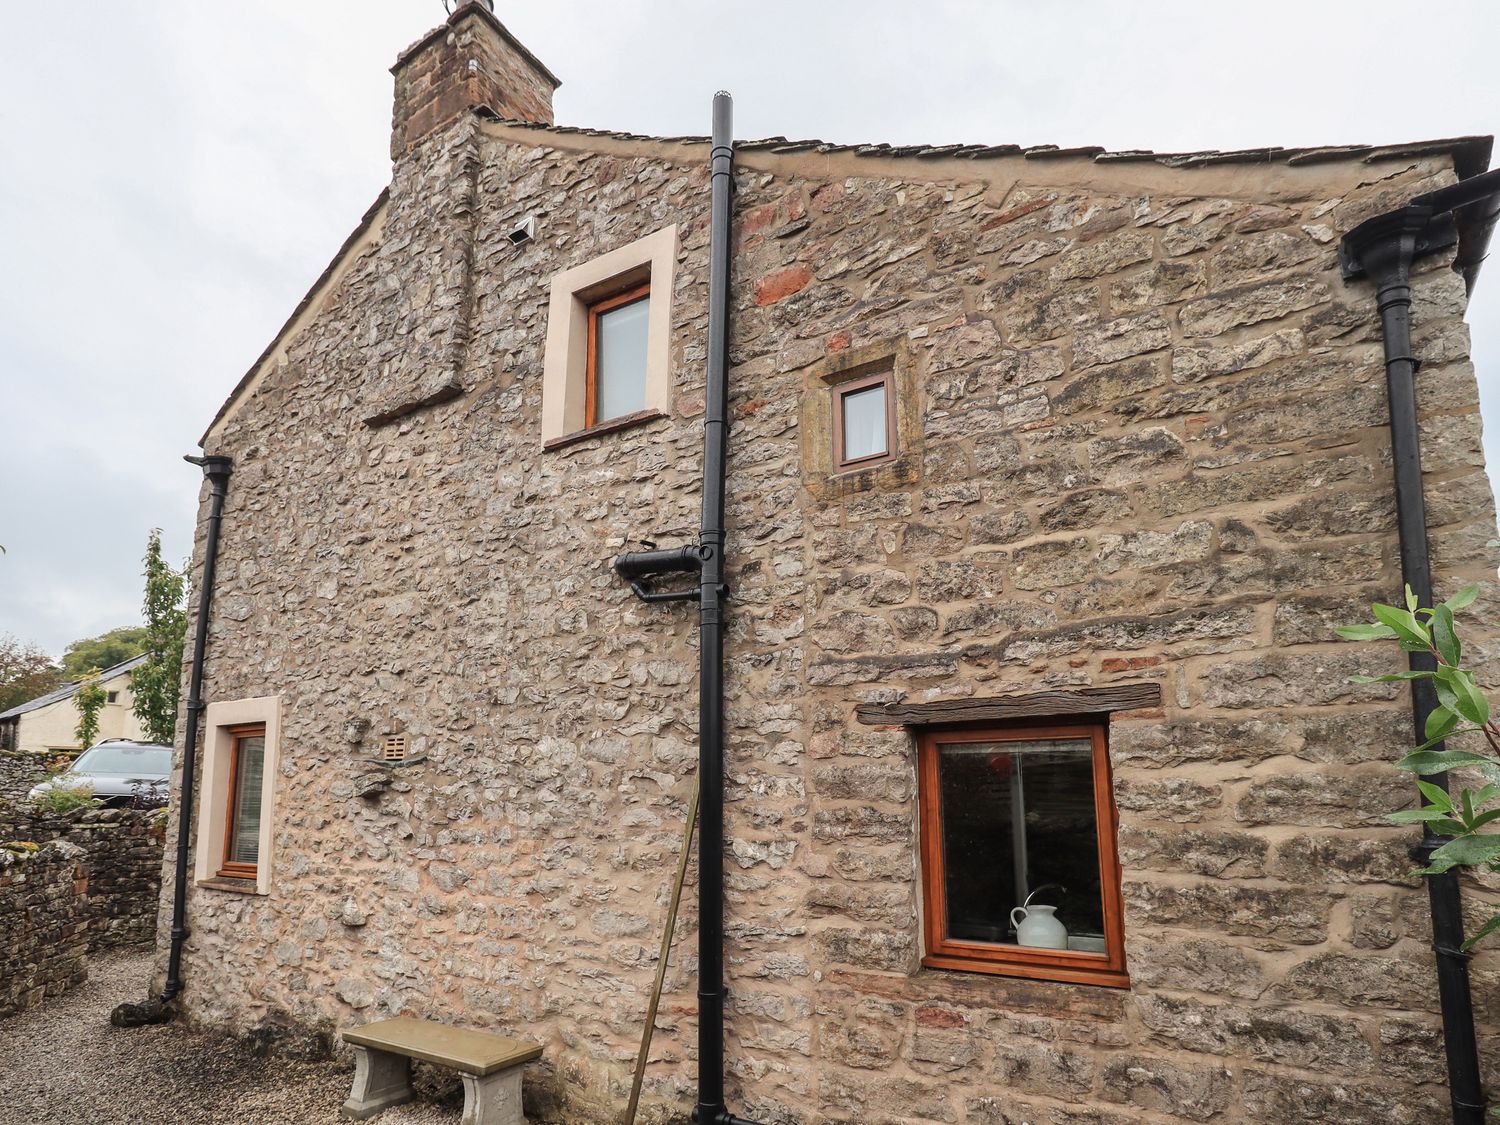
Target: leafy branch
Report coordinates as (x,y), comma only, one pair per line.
(1463,709)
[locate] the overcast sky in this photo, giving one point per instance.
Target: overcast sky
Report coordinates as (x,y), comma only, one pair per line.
(176,173)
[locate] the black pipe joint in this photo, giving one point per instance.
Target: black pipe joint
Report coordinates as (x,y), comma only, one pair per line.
(635,565)
(709,1115)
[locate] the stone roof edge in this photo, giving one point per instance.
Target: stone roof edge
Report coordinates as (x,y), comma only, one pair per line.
(68,690)
(1469,152)
(324,279)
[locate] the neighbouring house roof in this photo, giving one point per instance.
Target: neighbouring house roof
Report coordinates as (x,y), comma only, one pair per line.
(1471,156)
(67,691)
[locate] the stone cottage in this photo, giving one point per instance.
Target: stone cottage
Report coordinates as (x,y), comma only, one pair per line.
(1051,473)
(48,724)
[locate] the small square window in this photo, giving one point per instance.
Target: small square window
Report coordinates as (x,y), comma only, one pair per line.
(1019,865)
(112,697)
(617,355)
(864,422)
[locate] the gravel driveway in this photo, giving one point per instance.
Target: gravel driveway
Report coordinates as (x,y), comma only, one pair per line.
(64,1063)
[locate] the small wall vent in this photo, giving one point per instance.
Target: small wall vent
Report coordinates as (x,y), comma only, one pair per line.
(524,231)
(393,749)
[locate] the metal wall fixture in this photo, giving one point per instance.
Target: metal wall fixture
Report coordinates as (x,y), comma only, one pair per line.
(1383,249)
(707,558)
(523,232)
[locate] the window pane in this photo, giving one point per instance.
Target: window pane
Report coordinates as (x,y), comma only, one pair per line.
(864,423)
(244,833)
(620,361)
(1018,818)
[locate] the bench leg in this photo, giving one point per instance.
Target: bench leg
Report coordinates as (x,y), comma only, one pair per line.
(381,1080)
(494,1099)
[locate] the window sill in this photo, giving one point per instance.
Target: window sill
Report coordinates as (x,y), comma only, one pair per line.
(1062,968)
(614,425)
(233,886)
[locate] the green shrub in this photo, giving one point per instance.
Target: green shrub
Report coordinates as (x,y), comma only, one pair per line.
(65,796)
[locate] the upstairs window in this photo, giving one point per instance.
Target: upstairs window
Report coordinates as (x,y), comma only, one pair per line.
(617,355)
(1019,866)
(864,422)
(247,772)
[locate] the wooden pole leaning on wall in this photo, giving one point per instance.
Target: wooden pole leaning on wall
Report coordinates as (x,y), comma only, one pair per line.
(661,959)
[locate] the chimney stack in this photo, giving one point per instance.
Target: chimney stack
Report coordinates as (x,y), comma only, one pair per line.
(469,61)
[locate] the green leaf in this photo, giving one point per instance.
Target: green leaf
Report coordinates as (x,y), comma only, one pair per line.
(1404,624)
(1443,636)
(1466,851)
(1411,600)
(1440,761)
(1461,730)
(1468,803)
(1440,722)
(1484,796)
(1365,632)
(1421,674)
(1472,703)
(1484,818)
(1463,599)
(1427,815)
(1485,931)
(1437,796)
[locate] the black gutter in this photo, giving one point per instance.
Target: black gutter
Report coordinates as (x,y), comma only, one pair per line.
(708,559)
(1384,248)
(158,1009)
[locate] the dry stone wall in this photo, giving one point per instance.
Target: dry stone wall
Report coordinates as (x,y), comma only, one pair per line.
(1151,449)
(44,917)
(122,861)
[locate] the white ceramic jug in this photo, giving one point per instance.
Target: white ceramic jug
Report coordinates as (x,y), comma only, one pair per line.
(1038,927)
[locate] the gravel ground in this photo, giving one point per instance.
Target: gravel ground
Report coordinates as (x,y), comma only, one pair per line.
(64,1063)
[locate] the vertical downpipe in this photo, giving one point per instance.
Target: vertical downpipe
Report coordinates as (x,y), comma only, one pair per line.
(710,1108)
(1385,248)
(216,470)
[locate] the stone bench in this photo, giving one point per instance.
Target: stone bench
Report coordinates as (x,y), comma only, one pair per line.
(490,1065)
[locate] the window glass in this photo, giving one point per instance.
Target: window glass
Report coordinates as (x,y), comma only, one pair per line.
(864,422)
(1019,820)
(244,827)
(620,360)
(146,761)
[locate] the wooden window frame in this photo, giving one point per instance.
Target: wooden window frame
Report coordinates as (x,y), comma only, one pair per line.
(884,378)
(227,868)
(1068,966)
(637,291)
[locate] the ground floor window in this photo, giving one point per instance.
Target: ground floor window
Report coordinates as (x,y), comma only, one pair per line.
(247,772)
(1019,866)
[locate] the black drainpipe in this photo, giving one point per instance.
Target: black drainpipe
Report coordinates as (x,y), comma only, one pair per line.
(707,558)
(216,470)
(1384,248)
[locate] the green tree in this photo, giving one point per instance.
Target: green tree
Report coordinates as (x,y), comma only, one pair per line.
(89,699)
(25,672)
(92,654)
(158,682)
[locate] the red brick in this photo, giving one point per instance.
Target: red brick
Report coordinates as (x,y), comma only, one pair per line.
(783,283)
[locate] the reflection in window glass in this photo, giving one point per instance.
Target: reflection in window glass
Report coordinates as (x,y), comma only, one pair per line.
(1017,818)
(244,827)
(620,361)
(864,423)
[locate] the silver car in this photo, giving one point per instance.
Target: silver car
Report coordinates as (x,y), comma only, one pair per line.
(119,772)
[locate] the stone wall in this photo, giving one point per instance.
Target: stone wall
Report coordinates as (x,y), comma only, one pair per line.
(122,857)
(44,917)
(1151,448)
(19,771)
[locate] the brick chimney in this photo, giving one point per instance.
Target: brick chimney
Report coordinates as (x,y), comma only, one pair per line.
(469,61)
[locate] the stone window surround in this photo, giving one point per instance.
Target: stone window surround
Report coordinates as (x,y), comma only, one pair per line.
(213,797)
(821,473)
(565,366)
